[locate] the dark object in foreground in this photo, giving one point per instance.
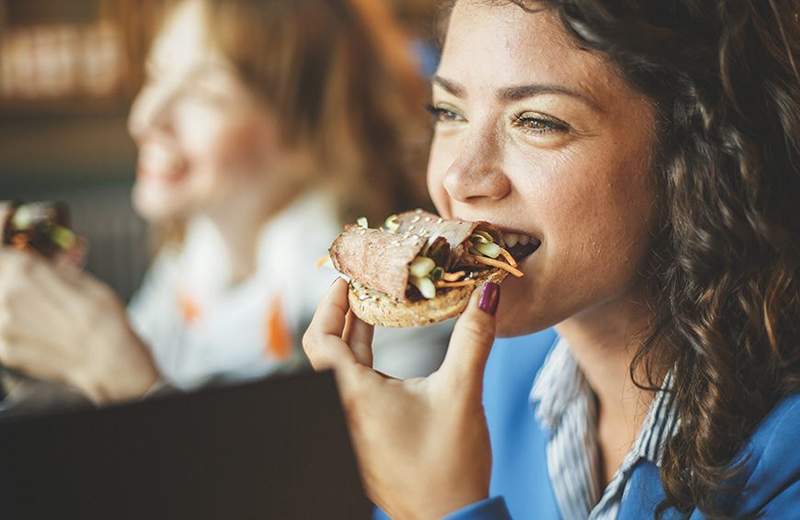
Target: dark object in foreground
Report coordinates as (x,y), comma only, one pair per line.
(272,449)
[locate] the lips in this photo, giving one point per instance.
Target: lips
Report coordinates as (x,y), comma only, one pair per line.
(159,163)
(169,177)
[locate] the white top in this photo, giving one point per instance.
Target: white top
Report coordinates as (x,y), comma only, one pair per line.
(201,327)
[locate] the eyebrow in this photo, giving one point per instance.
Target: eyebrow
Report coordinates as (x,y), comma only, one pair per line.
(450,86)
(517,93)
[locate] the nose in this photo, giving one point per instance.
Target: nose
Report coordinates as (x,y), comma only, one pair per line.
(149,110)
(476,173)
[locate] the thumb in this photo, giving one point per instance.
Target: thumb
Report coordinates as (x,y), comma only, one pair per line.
(472,337)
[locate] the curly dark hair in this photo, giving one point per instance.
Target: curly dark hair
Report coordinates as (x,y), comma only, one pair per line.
(726,261)
(725,265)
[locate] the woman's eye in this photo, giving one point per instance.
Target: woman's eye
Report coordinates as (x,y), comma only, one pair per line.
(539,124)
(443,114)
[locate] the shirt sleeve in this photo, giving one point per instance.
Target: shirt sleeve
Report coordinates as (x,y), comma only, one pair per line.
(772,489)
(152,311)
(784,505)
(490,509)
(153,314)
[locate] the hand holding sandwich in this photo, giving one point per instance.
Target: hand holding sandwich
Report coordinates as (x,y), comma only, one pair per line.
(422,444)
(58,323)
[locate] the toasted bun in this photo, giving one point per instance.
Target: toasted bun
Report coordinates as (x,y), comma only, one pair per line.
(377,308)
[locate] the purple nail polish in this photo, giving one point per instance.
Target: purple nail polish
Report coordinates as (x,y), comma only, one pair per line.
(490,297)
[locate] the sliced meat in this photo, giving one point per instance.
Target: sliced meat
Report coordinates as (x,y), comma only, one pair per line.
(455,231)
(378,259)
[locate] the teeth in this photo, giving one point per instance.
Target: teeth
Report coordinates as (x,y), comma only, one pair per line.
(513,239)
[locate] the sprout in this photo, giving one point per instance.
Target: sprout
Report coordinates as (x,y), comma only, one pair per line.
(425,286)
(437,274)
(63,237)
(421,267)
(481,237)
(362,221)
(392,223)
(491,250)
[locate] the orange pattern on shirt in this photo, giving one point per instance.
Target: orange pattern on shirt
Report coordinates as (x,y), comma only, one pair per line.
(189,308)
(278,337)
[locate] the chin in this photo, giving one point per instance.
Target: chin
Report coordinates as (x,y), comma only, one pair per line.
(517,315)
(512,323)
(157,205)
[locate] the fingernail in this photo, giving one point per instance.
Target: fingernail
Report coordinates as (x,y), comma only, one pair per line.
(490,297)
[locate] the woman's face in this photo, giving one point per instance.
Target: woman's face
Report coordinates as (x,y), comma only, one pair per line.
(546,139)
(204,140)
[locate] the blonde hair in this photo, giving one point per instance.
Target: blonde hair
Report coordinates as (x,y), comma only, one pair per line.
(339,78)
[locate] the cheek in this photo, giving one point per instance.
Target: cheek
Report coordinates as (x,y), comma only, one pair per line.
(595,218)
(222,149)
(242,149)
(602,228)
(198,130)
(440,159)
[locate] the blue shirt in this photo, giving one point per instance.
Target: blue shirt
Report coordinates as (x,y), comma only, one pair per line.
(521,487)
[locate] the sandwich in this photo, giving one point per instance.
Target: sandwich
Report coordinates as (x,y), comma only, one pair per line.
(43,227)
(418,268)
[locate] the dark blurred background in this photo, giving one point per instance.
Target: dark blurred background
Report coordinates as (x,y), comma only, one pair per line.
(68,73)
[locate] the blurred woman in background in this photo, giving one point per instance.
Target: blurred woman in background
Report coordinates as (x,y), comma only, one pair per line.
(260,133)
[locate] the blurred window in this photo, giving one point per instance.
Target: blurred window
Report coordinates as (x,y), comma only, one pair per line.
(61,60)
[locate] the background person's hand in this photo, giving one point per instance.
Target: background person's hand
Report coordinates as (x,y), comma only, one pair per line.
(60,324)
(422,444)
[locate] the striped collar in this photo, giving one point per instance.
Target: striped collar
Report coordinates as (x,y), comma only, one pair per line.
(565,405)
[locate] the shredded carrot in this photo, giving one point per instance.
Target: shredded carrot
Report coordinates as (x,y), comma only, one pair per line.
(453,277)
(450,285)
(500,265)
(20,242)
(508,257)
(322,261)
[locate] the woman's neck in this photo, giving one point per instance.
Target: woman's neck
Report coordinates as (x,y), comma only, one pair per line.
(603,341)
(239,225)
(239,232)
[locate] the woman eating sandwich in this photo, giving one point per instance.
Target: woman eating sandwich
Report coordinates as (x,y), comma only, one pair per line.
(649,365)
